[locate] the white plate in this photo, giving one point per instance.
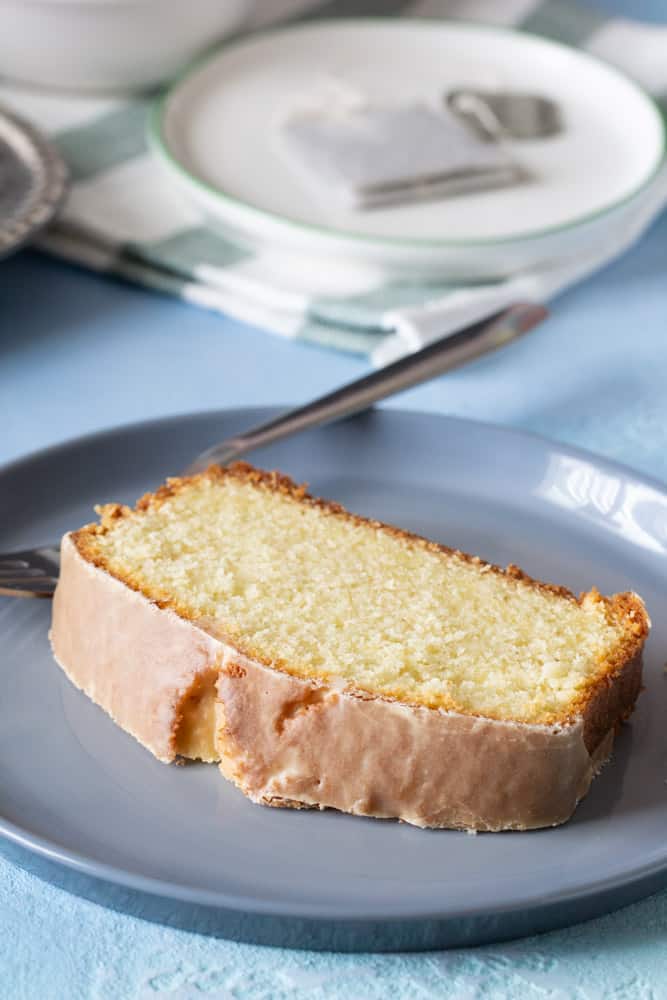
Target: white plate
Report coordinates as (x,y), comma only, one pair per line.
(218,130)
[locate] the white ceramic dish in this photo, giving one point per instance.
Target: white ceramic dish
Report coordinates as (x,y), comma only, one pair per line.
(218,132)
(109,45)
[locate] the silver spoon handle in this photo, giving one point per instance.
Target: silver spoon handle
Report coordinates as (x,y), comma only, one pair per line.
(449,352)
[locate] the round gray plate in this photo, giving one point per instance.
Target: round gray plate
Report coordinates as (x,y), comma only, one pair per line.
(180,844)
(33,181)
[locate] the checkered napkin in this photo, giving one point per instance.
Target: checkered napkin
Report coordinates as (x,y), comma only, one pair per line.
(124,217)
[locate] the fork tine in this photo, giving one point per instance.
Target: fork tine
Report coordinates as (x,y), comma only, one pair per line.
(45,556)
(22,572)
(29,573)
(16,589)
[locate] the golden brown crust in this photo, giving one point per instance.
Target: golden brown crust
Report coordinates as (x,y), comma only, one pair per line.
(611,701)
(625,609)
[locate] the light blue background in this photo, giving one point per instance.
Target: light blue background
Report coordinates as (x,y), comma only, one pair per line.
(78,353)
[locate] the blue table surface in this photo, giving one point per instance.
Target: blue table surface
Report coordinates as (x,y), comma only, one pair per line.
(80,352)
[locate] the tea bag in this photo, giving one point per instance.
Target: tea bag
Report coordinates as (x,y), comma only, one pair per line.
(370,155)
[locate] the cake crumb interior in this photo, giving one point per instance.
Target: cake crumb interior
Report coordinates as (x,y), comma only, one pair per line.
(319,594)
(195,733)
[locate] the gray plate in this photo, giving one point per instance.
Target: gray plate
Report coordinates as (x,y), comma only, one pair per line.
(33,181)
(181,845)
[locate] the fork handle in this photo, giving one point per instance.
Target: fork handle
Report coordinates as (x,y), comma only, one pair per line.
(488,334)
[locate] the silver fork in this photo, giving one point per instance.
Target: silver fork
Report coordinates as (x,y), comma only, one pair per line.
(30,573)
(34,572)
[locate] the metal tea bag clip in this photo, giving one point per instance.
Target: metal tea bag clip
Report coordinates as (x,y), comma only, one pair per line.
(498,115)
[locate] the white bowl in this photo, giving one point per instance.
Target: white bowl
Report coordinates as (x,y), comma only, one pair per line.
(109,45)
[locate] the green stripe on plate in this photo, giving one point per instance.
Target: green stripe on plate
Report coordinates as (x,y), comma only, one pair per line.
(564,22)
(105,142)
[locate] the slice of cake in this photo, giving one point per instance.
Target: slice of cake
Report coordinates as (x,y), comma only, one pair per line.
(327,660)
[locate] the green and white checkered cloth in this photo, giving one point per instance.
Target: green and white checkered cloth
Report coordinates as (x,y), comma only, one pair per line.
(124,217)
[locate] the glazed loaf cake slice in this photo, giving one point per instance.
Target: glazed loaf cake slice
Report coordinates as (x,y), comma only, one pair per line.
(326,660)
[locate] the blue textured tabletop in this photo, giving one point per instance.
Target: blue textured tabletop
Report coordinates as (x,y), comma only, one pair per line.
(77,353)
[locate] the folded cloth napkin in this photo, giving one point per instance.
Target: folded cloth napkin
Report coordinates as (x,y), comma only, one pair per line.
(124,217)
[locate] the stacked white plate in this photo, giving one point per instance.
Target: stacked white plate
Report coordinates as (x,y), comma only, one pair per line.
(218,131)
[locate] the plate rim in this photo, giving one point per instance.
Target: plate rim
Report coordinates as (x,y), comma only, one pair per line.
(349,913)
(76,861)
(158,142)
